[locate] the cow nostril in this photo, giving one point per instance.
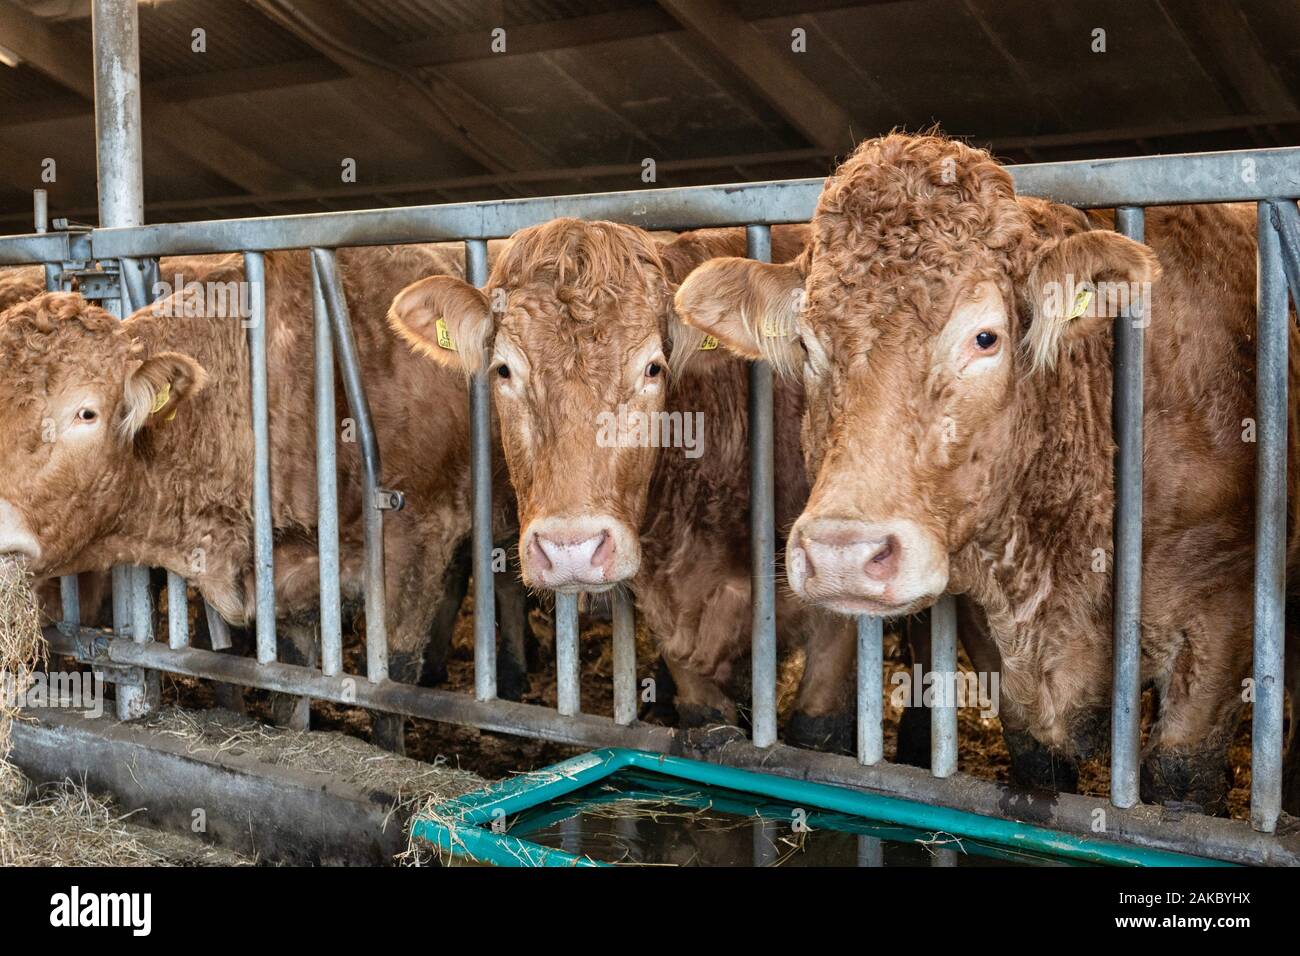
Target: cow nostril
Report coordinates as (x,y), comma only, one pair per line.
(538,555)
(604,552)
(884,564)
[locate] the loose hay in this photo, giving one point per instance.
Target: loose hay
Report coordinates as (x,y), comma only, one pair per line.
(61,824)
(21,651)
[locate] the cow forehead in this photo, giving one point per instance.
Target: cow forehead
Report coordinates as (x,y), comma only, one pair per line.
(851,294)
(903,223)
(55,341)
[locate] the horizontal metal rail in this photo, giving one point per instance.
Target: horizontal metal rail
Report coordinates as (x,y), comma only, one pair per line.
(1249,175)
(1230,840)
(34,249)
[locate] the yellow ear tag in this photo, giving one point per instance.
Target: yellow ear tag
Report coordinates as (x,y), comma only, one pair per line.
(1081,302)
(444,335)
(161,399)
(709,344)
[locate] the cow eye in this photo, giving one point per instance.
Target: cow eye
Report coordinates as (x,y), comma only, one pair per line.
(503,371)
(653,369)
(87,415)
(986,340)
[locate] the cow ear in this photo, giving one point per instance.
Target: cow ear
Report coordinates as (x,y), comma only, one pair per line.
(444,318)
(155,388)
(749,307)
(1079,285)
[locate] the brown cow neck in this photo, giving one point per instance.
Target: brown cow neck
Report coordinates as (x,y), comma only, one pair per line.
(1047,507)
(186,507)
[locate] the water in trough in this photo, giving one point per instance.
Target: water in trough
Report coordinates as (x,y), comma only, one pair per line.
(632,818)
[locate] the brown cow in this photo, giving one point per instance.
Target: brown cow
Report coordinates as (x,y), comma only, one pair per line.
(17,285)
(584,339)
(130,443)
(959,427)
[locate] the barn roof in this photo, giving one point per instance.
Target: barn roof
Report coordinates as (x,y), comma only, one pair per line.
(284,91)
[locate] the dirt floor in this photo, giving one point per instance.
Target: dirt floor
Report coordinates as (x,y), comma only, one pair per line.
(982,752)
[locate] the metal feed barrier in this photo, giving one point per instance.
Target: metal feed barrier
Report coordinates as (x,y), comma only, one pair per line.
(123,247)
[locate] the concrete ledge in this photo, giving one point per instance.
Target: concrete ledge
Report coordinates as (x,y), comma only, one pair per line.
(276,813)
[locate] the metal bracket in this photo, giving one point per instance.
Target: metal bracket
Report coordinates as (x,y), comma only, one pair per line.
(91,647)
(388,500)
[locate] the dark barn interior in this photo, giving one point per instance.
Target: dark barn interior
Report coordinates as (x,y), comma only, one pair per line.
(257,113)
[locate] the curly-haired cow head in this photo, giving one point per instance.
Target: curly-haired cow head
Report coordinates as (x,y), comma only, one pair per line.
(928,292)
(575,330)
(77,396)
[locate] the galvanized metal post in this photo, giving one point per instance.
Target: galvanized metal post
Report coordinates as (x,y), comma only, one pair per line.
(119,164)
(762,526)
(943,668)
(480,418)
(263,546)
(375,501)
(327,492)
(568,663)
(119,156)
(624,657)
(1127,403)
(1270,528)
(871,691)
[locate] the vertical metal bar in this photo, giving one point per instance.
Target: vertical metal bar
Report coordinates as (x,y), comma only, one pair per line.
(762,526)
(327,494)
(871,852)
(943,856)
(1286,219)
(372,468)
(764,835)
(41,218)
(218,629)
(1270,529)
(480,416)
(135,293)
(624,657)
(70,598)
(1126,704)
(178,612)
(263,547)
(119,164)
(871,690)
(69,590)
(943,669)
(568,665)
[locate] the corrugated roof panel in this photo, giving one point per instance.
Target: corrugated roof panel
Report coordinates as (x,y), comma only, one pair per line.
(410,19)
(236,36)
